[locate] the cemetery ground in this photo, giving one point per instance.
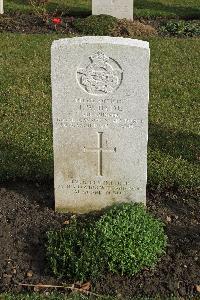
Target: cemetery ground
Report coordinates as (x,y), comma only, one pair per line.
(26,173)
(26,16)
(161,8)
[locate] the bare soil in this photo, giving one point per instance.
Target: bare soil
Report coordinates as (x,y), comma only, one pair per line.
(31,23)
(27,213)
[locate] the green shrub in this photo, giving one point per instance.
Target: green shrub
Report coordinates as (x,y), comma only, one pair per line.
(95,25)
(124,240)
(72,252)
(132,238)
(182,28)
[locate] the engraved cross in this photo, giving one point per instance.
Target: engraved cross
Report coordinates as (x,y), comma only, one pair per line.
(100,151)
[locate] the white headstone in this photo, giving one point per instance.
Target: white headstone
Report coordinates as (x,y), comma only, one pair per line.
(100,89)
(1,7)
(121,9)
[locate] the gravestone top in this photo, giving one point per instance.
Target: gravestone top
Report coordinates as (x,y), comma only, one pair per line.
(100,97)
(102,40)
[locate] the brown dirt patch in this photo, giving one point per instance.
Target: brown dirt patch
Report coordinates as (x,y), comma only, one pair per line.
(133,29)
(31,23)
(27,213)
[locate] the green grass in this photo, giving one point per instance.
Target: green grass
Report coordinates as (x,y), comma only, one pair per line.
(174,112)
(145,8)
(53,296)
(74,7)
(167,8)
(25,110)
(74,296)
(36,296)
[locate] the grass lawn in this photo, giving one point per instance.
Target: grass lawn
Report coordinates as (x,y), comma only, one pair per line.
(73,296)
(25,109)
(145,8)
(36,296)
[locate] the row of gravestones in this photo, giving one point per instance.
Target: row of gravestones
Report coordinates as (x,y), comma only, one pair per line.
(117,8)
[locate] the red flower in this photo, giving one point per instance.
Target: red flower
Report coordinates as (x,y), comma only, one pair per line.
(56,20)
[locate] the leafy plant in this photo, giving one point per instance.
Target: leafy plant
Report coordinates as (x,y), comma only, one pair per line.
(182,28)
(124,240)
(46,10)
(40,9)
(95,25)
(132,238)
(73,252)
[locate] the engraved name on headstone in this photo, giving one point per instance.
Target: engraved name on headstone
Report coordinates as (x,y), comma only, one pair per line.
(121,9)
(100,90)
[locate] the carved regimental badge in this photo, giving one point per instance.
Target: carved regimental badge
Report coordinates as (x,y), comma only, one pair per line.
(101,76)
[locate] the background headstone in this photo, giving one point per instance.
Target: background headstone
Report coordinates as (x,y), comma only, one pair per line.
(100,89)
(1,7)
(121,9)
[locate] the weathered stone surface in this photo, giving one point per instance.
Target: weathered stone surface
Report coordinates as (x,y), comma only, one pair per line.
(1,7)
(100,89)
(121,9)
